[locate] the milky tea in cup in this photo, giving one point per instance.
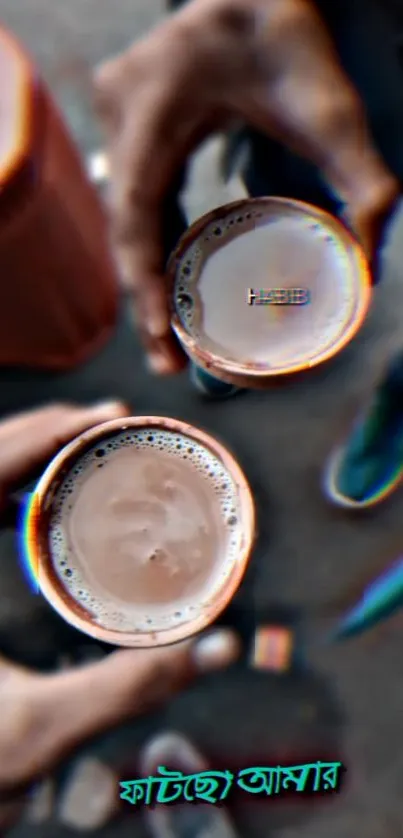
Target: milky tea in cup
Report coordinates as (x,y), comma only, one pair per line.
(140,530)
(265,287)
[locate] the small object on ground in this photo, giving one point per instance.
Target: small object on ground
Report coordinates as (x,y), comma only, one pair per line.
(41,803)
(91,797)
(273,649)
(182,820)
(380,599)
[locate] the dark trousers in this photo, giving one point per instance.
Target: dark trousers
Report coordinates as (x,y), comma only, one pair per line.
(391,386)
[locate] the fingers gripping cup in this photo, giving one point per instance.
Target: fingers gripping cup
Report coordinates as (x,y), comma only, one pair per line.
(139,532)
(266,287)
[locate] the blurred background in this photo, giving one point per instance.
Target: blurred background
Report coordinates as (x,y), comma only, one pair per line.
(311,561)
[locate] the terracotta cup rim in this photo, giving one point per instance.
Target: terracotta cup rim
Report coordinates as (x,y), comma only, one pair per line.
(23,88)
(39,556)
(249,374)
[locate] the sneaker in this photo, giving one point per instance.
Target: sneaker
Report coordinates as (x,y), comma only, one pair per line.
(210,387)
(369,466)
(182,820)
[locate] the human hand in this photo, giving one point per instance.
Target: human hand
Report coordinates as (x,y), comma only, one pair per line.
(44,717)
(28,439)
(269,63)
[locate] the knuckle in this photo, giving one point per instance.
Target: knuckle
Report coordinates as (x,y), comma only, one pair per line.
(107,88)
(127,223)
(102,104)
(157,685)
(234,18)
(57,412)
(343,115)
(123,227)
(289,18)
(104,76)
(296,13)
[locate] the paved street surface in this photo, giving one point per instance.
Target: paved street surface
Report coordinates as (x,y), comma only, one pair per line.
(310,561)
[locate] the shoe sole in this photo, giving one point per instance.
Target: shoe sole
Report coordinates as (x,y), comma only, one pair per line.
(332,492)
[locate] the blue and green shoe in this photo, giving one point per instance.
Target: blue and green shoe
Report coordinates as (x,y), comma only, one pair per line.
(369,466)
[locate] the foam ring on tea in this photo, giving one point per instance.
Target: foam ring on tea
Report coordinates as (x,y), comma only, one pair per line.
(145,529)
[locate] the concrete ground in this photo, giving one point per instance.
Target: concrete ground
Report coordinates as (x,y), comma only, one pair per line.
(310,561)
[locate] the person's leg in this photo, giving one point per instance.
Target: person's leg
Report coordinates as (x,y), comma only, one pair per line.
(369,466)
